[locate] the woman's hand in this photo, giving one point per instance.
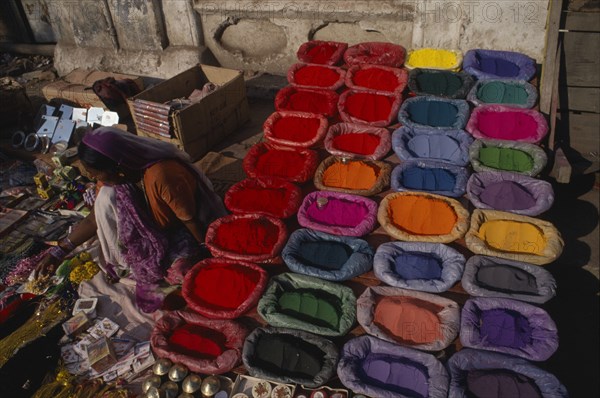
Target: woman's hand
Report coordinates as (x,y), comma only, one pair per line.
(46,266)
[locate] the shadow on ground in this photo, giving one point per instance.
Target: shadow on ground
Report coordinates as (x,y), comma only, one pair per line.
(575,309)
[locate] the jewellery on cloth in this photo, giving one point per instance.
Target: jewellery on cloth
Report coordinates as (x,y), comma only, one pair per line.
(32,142)
(18,138)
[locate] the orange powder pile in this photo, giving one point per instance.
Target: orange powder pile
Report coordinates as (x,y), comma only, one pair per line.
(409,320)
(422,216)
(513,236)
(352,175)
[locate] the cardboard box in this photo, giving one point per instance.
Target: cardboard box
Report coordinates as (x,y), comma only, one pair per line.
(77,86)
(200,126)
(77,324)
(101,355)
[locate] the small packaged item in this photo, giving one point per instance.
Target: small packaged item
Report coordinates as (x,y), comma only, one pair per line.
(103,328)
(87,305)
(77,324)
(122,346)
(41,181)
(69,354)
(101,355)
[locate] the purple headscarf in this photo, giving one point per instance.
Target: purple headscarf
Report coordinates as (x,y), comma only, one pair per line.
(132,151)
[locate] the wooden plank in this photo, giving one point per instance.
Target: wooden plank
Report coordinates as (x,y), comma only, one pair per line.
(555,99)
(582,59)
(582,99)
(582,21)
(561,169)
(548,73)
(584,135)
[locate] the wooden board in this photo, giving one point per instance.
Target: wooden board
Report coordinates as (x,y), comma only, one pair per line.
(581,99)
(582,21)
(582,59)
(584,132)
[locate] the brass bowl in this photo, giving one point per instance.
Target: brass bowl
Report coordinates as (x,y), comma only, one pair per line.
(153,392)
(185,395)
(191,383)
(210,386)
(178,372)
(169,389)
(151,381)
(162,366)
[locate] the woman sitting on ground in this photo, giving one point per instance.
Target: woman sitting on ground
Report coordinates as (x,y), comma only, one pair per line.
(145,240)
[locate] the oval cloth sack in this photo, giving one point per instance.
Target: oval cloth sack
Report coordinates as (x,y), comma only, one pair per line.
(223,289)
(508,326)
(295,129)
(321,52)
(518,157)
(338,213)
(485,373)
(353,176)
(495,277)
(381,369)
(246,237)
(295,165)
(512,192)
(415,319)
(506,235)
(325,256)
(203,345)
(376,77)
(423,143)
(290,356)
(428,267)
(308,303)
(350,140)
(434,58)
(424,217)
(494,64)
(273,197)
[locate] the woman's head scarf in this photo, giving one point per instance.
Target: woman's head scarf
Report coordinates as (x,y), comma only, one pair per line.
(131,151)
(135,152)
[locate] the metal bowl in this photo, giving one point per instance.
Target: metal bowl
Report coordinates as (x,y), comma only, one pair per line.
(210,386)
(162,366)
(152,381)
(191,383)
(178,372)
(170,389)
(153,392)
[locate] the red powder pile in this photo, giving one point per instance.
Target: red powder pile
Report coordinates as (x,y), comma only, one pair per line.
(369,107)
(197,341)
(294,128)
(309,101)
(316,76)
(254,199)
(247,236)
(359,143)
(224,286)
(376,79)
(280,163)
(320,54)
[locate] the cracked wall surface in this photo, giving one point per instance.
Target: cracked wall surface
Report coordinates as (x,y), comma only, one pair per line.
(163,37)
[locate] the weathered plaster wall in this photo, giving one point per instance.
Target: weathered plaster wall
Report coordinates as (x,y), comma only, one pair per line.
(163,37)
(157,38)
(264,35)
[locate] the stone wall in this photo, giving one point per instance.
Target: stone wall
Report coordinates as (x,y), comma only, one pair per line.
(264,35)
(163,37)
